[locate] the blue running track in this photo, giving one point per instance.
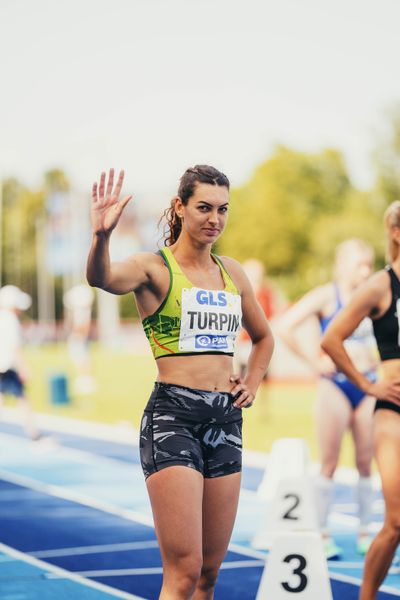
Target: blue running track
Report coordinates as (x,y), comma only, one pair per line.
(75,523)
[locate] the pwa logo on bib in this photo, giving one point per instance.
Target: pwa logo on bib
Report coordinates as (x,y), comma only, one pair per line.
(213,342)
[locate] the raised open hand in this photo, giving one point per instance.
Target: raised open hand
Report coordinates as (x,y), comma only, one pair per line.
(106,208)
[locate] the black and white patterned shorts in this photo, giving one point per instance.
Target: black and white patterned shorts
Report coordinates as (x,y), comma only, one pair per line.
(194,428)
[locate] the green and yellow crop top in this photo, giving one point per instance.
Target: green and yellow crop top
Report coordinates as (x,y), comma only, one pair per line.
(193,320)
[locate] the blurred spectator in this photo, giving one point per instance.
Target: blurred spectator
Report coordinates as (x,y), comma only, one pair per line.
(78,302)
(340,404)
(271,301)
(13,369)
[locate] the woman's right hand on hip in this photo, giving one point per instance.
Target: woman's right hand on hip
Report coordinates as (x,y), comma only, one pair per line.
(385,390)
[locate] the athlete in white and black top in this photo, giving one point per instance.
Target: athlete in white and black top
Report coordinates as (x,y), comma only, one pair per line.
(379,298)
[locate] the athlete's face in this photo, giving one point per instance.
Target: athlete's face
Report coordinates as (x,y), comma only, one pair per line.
(206,213)
(395,235)
(356,266)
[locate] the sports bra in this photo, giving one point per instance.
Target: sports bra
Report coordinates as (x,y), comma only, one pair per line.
(363,334)
(324,321)
(386,327)
(193,320)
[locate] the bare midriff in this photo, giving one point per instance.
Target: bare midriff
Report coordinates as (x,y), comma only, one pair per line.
(391,369)
(209,372)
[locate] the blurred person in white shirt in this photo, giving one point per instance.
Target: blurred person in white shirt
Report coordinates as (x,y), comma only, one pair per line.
(78,302)
(13,369)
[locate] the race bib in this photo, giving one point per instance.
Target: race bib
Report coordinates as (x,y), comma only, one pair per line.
(210,320)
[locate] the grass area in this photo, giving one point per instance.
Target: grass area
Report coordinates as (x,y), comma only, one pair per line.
(124,383)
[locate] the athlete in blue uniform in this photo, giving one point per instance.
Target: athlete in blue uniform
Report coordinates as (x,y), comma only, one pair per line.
(379,299)
(340,404)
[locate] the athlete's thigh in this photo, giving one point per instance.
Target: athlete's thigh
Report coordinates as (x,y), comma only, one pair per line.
(176,499)
(362,426)
(387,454)
(333,414)
(220,500)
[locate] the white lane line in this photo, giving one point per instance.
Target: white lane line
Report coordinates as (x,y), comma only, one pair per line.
(121,433)
(242,564)
(353,522)
(244,551)
(129,515)
(99,548)
(239,564)
(82,456)
(116,572)
(343,475)
(378,506)
(65,494)
(134,516)
(60,573)
(332,574)
(129,437)
(348,579)
(333,564)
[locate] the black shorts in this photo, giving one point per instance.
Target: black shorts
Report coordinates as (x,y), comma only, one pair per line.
(194,428)
(388,405)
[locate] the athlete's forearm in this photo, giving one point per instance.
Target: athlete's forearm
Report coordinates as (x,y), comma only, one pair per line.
(98,263)
(334,347)
(258,363)
(288,337)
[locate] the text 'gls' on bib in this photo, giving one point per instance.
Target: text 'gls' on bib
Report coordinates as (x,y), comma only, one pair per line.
(210,320)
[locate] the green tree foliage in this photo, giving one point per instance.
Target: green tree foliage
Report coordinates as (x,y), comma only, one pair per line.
(275,216)
(21,207)
(291,214)
(387,159)
(359,218)
(55,180)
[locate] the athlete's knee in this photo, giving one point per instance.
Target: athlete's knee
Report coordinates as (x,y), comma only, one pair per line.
(208,577)
(184,576)
(391,528)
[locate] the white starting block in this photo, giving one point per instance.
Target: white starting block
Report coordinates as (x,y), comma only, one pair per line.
(288,493)
(293,506)
(296,568)
(289,457)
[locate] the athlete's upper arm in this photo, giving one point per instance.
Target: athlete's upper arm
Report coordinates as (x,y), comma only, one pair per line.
(365,300)
(254,319)
(312,303)
(132,273)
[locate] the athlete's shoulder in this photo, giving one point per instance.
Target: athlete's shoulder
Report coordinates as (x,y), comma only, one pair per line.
(235,270)
(375,288)
(231,263)
(379,282)
(146,259)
